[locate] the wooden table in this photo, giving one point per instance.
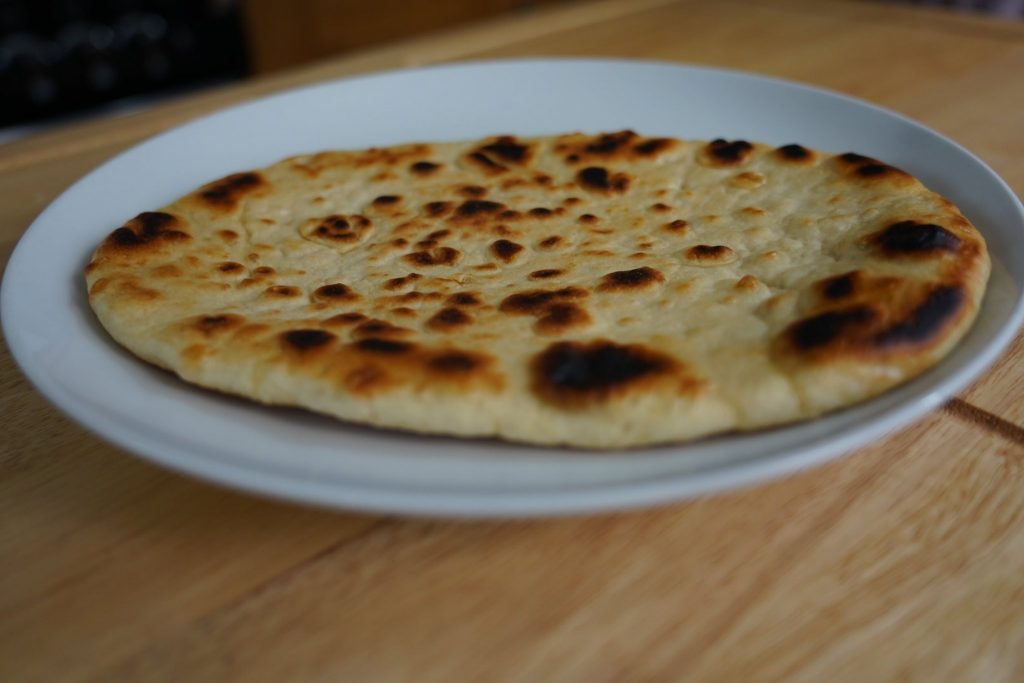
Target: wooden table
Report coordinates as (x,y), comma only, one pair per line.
(904,561)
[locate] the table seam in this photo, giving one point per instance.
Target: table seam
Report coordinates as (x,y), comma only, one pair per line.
(984,420)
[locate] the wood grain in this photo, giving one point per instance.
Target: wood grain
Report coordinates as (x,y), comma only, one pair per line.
(904,561)
(796,580)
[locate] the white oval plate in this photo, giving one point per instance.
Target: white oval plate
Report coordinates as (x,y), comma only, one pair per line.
(293,454)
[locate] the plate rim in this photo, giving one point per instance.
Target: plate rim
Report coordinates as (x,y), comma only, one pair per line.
(608,498)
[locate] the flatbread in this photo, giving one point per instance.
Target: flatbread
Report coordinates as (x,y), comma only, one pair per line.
(594,290)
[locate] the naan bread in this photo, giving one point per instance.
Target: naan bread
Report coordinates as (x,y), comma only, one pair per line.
(599,291)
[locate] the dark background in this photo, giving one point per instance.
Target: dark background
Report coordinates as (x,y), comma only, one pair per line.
(64,56)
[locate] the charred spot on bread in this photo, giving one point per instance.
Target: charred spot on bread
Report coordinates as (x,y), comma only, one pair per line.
(148,229)
(545,273)
(306,339)
(840,286)
(506,250)
(823,328)
(910,238)
(600,179)
(575,375)
(400,282)
(709,253)
(437,208)
(534,301)
(628,280)
(794,153)
(862,329)
(448,319)
(507,149)
(424,168)
(475,207)
(439,256)
(561,317)
(464,299)
(386,200)
(455,362)
(654,146)
(720,152)
(380,329)
(283,291)
(210,324)
(868,168)
(335,292)
(926,320)
(226,193)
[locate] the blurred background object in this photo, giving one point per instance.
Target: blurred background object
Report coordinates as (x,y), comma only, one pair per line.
(60,58)
(64,58)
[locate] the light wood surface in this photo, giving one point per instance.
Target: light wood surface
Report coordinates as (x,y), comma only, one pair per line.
(902,562)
